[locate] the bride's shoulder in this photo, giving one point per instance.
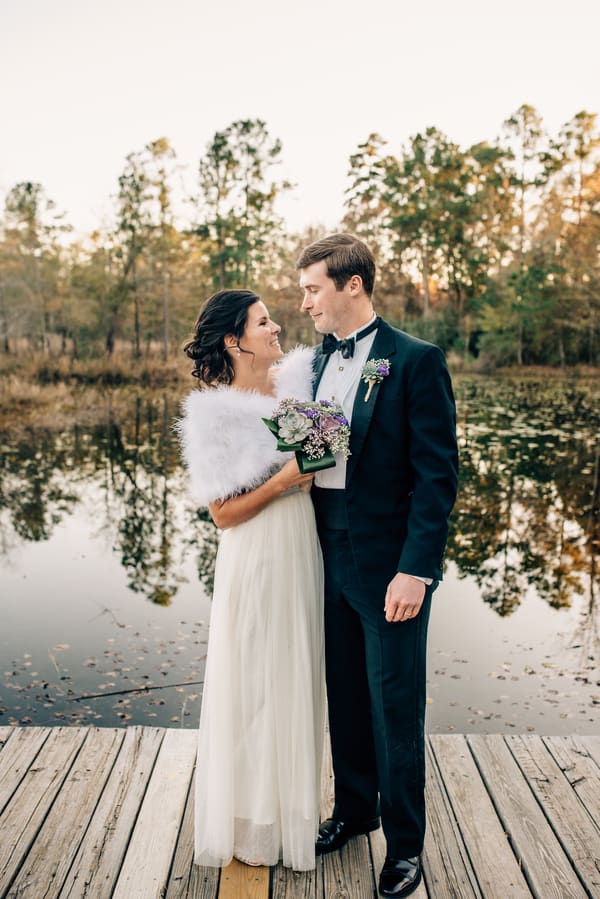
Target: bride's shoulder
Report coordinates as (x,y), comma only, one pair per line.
(295,373)
(300,354)
(210,414)
(224,443)
(219,402)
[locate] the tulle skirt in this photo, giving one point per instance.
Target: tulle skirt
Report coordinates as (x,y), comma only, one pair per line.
(262,719)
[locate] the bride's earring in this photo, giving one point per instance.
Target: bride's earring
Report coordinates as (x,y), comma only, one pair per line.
(237,351)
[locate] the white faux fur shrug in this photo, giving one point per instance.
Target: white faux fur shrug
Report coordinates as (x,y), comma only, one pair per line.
(226,447)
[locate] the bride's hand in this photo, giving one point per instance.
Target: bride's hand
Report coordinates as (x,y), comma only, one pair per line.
(289,476)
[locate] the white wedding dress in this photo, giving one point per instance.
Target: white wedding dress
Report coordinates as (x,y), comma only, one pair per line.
(262,720)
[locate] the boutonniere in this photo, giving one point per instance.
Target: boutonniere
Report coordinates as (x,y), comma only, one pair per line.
(374,371)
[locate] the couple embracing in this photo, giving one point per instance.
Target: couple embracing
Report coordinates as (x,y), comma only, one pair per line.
(333,571)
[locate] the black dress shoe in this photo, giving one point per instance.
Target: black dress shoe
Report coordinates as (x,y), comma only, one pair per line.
(400,876)
(334,833)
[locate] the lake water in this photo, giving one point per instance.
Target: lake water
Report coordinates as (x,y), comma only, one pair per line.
(106,566)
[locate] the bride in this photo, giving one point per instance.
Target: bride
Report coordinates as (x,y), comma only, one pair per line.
(262,718)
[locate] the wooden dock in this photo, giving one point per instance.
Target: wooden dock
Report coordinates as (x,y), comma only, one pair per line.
(101,812)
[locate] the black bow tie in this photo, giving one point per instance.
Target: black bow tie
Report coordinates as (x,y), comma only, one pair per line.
(347,345)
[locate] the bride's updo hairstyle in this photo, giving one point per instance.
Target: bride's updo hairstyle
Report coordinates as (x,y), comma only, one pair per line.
(226,312)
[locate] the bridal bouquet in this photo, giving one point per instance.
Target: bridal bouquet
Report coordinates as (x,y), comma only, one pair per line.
(314,431)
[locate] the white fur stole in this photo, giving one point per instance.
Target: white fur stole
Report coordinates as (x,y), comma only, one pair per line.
(226,447)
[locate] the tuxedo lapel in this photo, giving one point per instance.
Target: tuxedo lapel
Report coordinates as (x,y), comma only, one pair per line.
(319,363)
(362,412)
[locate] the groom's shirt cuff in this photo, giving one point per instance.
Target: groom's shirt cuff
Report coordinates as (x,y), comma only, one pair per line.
(425,580)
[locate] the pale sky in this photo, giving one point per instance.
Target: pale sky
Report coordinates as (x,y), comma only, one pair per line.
(82,83)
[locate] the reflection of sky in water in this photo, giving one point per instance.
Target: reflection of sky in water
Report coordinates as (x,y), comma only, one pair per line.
(69,620)
(75,615)
(491,674)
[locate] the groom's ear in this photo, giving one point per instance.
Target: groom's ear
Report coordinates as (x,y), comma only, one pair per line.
(354,285)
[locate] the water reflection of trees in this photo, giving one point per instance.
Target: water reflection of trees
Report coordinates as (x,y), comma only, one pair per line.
(527,515)
(527,511)
(141,469)
(126,468)
(34,494)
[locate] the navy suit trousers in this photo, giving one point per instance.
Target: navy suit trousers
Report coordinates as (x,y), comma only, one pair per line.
(376,687)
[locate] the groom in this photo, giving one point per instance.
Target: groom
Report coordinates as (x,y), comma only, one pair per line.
(383,520)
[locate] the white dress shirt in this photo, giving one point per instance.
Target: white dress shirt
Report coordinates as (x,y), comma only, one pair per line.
(339,384)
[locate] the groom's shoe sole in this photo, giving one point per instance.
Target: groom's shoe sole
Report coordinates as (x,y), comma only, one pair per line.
(333,833)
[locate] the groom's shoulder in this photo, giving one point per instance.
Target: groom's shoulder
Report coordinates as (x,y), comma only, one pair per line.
(408,342)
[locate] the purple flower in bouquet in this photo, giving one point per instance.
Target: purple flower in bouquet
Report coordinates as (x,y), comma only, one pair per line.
(314,430)
(328,424)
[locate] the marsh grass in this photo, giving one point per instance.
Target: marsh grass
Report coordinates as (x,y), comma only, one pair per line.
(51,391)
(25,405)
(48,391)
(150,371)
(54,392)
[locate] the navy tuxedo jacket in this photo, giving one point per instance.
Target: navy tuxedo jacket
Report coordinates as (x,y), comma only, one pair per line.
(402,474)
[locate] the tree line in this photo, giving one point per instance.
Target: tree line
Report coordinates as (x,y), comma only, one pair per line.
(493,251)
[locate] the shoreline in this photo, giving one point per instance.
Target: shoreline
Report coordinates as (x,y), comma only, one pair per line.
(153,370)
(53,394)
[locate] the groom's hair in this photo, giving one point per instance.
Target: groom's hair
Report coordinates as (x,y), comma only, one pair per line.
(345,256)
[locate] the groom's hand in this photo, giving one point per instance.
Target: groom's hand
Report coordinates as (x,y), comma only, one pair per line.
(404,598)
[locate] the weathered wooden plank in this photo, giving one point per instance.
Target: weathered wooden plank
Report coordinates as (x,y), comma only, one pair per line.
(592,744)
(378,850)
(544,863)
(16,758)
(240,881)
(146,866)
(54,799)
(43,872)
(35,795)
(446,865)
(496,868)
(5,732)
(187,880)
(100,855)
(288,884)
(347,874)
(579,768)
(578,834)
